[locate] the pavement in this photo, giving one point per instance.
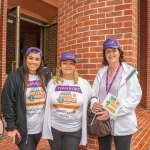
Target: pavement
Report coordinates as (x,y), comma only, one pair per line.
(140,140)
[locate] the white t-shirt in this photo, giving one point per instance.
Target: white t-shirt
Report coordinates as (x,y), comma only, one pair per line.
(35,103)
(66,106)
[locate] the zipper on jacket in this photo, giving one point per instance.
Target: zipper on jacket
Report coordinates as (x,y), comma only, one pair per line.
(24,95)
(26,139)
(24,90)
(113,130)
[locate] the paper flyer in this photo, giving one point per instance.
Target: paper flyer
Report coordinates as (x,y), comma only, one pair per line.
(111,104)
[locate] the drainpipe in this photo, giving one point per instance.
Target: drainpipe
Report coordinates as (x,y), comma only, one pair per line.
(17,42)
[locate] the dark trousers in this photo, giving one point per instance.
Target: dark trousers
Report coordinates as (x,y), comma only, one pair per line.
(65,140)
(32,142)
(121,142)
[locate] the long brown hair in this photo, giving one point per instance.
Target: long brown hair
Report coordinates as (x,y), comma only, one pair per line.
(40,73)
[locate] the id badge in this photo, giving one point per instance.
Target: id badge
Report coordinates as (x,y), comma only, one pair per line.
(111,104)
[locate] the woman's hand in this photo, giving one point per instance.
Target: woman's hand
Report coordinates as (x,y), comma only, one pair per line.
(96,107)
(103,115)
(13,134)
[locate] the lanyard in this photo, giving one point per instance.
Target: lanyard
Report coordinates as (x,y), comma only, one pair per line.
(114,77)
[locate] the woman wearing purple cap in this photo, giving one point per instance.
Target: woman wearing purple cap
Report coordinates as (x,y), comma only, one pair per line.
(119,92)
(23,101)
(65,121)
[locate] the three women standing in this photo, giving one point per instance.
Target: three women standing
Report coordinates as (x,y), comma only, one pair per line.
(65,123)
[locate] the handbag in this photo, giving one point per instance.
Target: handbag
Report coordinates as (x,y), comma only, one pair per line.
(98,127)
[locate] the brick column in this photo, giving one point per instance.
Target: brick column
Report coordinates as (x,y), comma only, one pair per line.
(148,57)
(51,47)
(84,25)
(144,53)
(3,25)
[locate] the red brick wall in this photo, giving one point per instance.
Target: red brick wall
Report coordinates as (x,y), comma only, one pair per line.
(3,23)
(143,46)
(144,53)
(30,35)
(84,25)
(29,40)
(51,47)
(10,48)
(148,57)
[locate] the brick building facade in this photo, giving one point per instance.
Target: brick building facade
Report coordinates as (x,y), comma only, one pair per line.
(3,26)
(84,25)
(143,50)
(81,27)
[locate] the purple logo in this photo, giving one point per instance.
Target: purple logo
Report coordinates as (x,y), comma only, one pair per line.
(68,88)
(35,83)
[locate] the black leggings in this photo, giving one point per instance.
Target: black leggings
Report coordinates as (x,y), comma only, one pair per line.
(121,142)
(65,140)
(32,142)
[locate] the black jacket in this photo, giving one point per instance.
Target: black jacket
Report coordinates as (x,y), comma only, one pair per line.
(13,101)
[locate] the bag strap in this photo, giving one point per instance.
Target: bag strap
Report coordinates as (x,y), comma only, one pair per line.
(130,75)
(89,103)
(127,78)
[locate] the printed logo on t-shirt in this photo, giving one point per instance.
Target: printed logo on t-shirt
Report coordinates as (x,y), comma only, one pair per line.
(35,97)
(68,88)
(67,101)
(67,97)
(34,84)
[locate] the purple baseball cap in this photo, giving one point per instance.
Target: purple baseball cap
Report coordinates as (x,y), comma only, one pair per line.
(68,56)
(111,43)
(34,50)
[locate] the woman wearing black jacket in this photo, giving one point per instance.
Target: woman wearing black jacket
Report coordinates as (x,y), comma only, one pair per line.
(23,100)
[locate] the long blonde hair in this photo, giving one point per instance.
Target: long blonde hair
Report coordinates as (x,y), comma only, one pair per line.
(59,76)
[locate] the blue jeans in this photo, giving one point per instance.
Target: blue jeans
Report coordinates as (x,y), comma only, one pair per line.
(32,142)
(65,140)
